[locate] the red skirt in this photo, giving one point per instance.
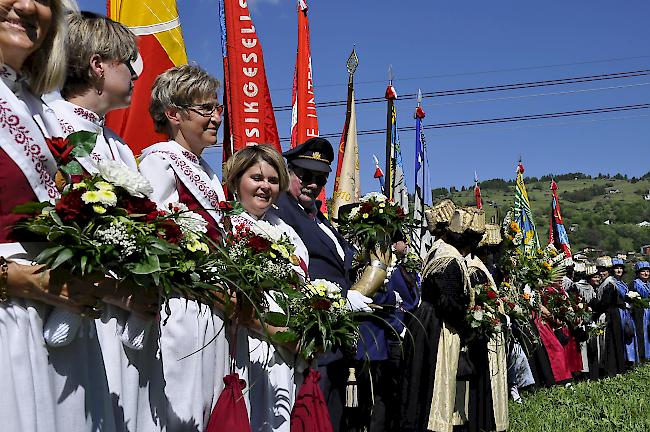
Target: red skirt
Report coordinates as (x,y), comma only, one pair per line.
(555,350)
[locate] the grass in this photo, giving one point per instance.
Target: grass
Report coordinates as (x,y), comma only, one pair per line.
(614,404)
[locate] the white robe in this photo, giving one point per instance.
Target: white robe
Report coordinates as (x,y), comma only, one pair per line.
(193,343)
(128,370)
(41,389)
(272,373)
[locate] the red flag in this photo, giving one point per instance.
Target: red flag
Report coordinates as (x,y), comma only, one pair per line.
(477,193)
(249,116)
(161,46)
(304,122)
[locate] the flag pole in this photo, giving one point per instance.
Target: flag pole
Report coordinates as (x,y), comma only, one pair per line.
(351,65)
(390,96)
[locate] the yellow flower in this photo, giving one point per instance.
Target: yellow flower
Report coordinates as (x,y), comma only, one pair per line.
(107,197)
(526,296)
(79,185)
(365,215)
(381,211)
(102,185)
(514,226)
(382,205)
(99,209)
(547,265)
(90,197)
(282,249)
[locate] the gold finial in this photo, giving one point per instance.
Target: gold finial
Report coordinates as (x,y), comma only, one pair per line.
(353,62)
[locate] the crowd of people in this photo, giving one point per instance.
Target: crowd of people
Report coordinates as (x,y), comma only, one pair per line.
(125,362)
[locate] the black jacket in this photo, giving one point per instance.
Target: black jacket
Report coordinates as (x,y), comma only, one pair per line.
(324,260)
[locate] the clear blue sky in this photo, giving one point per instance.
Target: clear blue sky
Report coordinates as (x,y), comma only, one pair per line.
(435,45)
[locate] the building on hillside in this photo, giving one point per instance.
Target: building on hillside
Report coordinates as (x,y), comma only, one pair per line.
(612,190)
(645,250)
(574,227)
(643,224)
(647,197)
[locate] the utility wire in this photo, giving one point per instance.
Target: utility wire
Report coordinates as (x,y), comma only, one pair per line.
(485,89)
(501,120)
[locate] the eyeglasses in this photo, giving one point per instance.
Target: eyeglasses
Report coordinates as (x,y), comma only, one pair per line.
(205,110)
(307,176)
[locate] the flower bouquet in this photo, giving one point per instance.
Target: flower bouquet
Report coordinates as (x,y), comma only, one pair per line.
(636,301)
(484,317)
(372,225)
(257,258)
(317,318)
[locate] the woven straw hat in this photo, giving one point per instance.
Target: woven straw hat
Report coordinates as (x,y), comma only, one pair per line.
(579,267)
(568,262)
(477,221)
(492,236)
(604,261)
(440,213)
(460,221)
(590,270)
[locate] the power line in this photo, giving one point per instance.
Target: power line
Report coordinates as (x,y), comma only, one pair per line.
(486,89)
(503,119)
(451,75)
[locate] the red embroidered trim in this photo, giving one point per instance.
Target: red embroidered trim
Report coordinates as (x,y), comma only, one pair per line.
(67,127)
(194,177)
(88,115)
(191,156)
(31,148)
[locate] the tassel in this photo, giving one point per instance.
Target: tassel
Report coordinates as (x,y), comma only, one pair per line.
(61,327)
(351,390)
(135,332)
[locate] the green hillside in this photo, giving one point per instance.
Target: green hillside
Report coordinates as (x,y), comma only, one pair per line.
(586,203)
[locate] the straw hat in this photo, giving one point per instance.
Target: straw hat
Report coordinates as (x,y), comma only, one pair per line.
(604,261)
(440,213)
(492,236)
(590,270)
(568,262)
(579,267)
(477,221)
(460,221)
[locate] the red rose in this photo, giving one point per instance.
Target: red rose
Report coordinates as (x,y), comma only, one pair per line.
(225,206)
(61,149)
(258,244)
(366,207)
(152,216)
(170,231)
(71,208)
(491,295)
(321,304)
(137,205)
(400,213)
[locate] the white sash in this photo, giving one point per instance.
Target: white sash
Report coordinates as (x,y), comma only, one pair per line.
(109,146)
(194,172)
(23,123)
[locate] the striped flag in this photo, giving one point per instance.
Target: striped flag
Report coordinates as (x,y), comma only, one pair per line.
(421,239)
(557,234)
(161,46)
(400,192)
(249,117)
(523,214)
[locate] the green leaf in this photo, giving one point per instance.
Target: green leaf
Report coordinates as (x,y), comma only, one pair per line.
(83,142)
(72,168)
(285,336)
(276,319)
(31,208)
(62,257)
(150,264)
(44,256)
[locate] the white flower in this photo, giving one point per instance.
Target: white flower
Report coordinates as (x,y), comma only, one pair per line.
(264,229)
(633,294)
(188,221)
(478,315)
(374,196)
(120,175)
(354,212)
(329,288)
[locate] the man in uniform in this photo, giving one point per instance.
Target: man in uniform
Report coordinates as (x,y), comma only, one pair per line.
(330,256)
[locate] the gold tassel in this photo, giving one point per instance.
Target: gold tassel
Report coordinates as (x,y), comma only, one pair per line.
(351,390)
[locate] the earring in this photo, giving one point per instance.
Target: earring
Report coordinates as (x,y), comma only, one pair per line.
(101,83)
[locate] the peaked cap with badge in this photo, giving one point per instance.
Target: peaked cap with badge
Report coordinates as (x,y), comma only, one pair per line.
(315,154)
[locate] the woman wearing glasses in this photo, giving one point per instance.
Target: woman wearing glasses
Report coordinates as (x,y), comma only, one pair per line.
(193,344)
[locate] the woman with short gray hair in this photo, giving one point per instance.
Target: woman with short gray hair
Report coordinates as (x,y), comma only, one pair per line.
(193,345)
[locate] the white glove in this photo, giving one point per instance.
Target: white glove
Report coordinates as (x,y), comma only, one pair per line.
(357,302)
(398,300)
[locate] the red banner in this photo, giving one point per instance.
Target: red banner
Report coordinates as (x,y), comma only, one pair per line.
(249,110)
(304,122)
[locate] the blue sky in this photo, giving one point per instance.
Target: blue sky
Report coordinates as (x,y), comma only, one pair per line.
(435,45)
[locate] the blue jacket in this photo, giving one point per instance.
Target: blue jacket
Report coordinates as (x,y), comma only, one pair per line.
(324,260)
